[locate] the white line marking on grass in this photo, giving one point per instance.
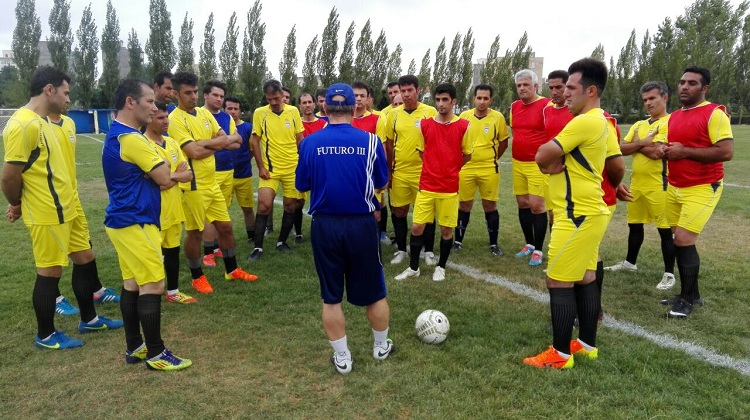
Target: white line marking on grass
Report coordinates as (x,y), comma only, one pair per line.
(663,340)
(737,185)
(92,138)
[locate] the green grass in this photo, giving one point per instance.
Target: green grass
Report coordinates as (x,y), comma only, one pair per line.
(259,349)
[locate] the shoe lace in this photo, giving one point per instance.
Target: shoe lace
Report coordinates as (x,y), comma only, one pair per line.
(170,358)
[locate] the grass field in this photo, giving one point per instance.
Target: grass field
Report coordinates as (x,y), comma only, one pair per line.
(259,349)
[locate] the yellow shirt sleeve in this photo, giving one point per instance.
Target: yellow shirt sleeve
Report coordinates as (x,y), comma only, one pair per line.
(257,126)
(502,128)
(232,127)
(631,133)
(719,126)
(380,127)
(578,131)
(20,141)
(467,145)
(138,150)
(178,129)
(389,131)
(613,147)
(298,122)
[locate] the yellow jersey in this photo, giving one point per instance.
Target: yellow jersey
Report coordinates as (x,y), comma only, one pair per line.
(65,131)
(172,212)
(185,128)
(278,137)
(648,174)
(486,134)
(403,127)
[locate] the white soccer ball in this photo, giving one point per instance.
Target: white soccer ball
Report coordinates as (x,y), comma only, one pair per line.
(432,327)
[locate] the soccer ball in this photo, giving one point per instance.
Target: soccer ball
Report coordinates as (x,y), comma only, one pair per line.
(432,327)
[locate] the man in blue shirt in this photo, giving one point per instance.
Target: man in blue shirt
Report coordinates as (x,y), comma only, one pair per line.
(342,167)
(243,167)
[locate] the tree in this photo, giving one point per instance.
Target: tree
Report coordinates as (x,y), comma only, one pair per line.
(365,52)
(467,68)
(229,56)
(627,65)
(253,68)
(110,51)
(60,41)
(379,71)
(346,60)
(440,69)
(185,54)
(288,63)
(394,64)
(598,52)
(454,60)
(85,58)
(667,58)
(12,93)
(488,74)
(159,45)
(329,47)
(26,37)
(412,69)
(644,72)
(424,71)
(309,78)
(743,70)
(135,55)
(207,59)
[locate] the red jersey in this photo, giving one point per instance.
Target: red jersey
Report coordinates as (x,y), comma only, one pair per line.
(312,126)
(690,127)
(367,122)
(527,122)
(610,194)
(555,119)
(443,149)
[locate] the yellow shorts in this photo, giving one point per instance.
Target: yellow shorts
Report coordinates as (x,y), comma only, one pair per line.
(50,244)
(171,236)
(528,179)
(286,181)
(80,239)
(429,205)
(575,249)
(488,182)
(138,252)
(381,197)
(403,192)
(691,207)
(243,189)
(202,205)
(225,181)
(648,207)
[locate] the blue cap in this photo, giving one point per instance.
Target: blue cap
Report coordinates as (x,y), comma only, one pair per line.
(340,89)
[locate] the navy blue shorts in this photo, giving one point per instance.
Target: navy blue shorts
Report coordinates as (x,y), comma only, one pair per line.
(347,256)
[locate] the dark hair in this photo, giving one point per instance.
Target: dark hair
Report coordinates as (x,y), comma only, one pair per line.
(663,89)
(319,93)
(704,72)
(484,86)
(161,106)
(232,99)
(287,90)
(272,86)
(392,84)
(558,74)
(46,75)
(209,85)
(339,109)
(445,88)
(407,80)
(593,72)
(129,87)
(299,98)
(362,85)
(184,78)
(160,76)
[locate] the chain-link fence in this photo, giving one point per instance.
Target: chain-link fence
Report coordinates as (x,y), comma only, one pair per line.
(5,115)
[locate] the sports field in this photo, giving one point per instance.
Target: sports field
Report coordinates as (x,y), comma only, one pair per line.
(259,349)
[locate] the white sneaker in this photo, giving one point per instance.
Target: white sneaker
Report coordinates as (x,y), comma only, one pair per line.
(622,266)
(430,259)
(408,273)
(343,366)
(439,274)
(667,282)
(380,353)
(398,257)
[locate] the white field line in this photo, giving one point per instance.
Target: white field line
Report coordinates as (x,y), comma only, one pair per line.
(663,340)
(89,137)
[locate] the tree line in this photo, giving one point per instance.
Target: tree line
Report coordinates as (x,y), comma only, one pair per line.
(710,33)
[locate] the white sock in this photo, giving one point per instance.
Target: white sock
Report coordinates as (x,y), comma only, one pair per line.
(340,347)
(100,292)
(380,337)
(173,292)
(93,321)
(585,346)
(58,300)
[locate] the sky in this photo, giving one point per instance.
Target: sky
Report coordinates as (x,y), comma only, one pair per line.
(557,31)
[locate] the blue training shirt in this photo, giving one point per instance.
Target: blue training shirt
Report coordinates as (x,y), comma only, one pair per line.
(342,166)
(243,167)
(133,198)
(224,158)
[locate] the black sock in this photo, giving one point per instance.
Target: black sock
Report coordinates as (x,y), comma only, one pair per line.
(261,221)
(208,247)
(493,225)
(149,313)
(250,233)
(599,275)
(540,230)
(667,249)
(383,224)
(196,271)
(132,324)
(429,237)
(44,298)
(230,259)
(635,240)
(562,303)
(688,263)
(298,221)
(445,251)
(588,304)
(400,229)
(172,266)
(287,222)
(97,284)
(83,287)
(463,222)
(415,247)
(526,218)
